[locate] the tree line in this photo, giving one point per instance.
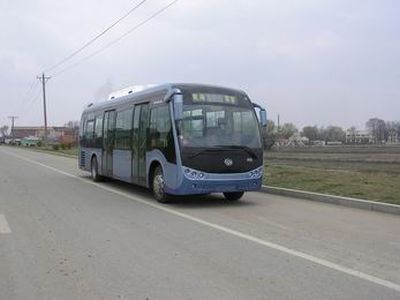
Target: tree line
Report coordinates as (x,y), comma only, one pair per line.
(380,131)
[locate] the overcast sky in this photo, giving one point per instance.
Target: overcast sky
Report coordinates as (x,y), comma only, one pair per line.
(312,61)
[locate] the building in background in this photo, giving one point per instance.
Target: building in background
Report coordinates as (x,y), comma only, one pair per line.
(56,134)
(354,136)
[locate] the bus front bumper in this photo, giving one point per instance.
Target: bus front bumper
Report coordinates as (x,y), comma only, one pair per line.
(219,184)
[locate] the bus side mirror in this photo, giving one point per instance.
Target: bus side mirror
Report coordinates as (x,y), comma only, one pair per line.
(263,117)
(178,107)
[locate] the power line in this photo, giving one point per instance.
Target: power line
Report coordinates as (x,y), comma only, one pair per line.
(136,27)
(32,86)
(24,97)
(31,100)
(96,37)
(31,91)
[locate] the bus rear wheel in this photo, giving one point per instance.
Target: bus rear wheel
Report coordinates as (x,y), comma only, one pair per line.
(158,186)
(94,170)
(233,196)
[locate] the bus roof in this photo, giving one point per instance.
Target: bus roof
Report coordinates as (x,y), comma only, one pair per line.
(133,96)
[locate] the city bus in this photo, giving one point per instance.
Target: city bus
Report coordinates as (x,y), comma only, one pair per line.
(176,139)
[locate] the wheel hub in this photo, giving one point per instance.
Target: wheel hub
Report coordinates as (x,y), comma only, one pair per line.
(159,185)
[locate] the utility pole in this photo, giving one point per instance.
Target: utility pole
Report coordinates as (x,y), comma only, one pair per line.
(44,79)
(12,125)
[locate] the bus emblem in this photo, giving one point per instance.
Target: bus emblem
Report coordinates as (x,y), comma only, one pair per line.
(228,162)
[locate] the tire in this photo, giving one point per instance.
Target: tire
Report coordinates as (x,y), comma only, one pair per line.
(233,196)
(157,186)
(94,170)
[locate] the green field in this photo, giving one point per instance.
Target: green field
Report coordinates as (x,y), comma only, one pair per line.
(367,172)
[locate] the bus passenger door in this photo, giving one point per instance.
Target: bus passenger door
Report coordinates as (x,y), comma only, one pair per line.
(140,126)
(108,142)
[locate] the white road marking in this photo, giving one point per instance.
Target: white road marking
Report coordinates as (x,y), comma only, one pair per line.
(4,227)
(259,241)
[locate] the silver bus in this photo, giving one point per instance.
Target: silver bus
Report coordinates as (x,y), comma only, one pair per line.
(176,139)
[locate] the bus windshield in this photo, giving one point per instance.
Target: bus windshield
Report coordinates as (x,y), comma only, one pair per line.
(212,120)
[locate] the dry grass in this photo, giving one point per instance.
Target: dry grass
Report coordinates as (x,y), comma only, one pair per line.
(371,173)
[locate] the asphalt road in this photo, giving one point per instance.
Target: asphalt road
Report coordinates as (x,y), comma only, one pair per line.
(64,237)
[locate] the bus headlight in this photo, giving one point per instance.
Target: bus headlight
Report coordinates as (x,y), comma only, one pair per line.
(192,174)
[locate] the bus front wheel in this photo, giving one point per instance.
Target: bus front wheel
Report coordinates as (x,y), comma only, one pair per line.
(233,196)
(158,186)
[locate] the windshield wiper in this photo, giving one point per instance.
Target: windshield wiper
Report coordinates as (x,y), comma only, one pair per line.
(248,150)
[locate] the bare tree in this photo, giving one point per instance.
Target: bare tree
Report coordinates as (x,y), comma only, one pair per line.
(72,124)
(377,128)
(335,134)
(269,134)
(398,130)
(352,133)
(311,132)
(393,131)
(4,131)
(287,130)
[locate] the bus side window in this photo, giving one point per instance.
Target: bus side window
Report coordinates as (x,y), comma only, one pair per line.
(88,135)
(154,133)
(123,130)
(135,131)
(98,131)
